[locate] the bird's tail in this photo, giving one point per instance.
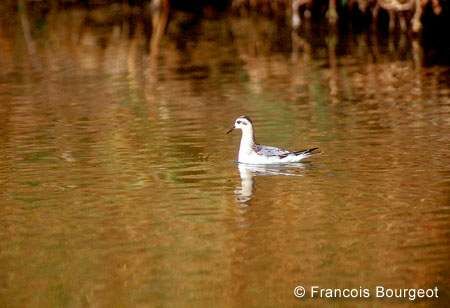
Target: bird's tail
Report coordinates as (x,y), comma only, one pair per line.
(307,152)
(304,153)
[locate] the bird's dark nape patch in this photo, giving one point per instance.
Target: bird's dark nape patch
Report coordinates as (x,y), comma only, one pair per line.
(247,118)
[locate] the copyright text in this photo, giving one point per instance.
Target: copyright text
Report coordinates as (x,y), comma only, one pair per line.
(361,292)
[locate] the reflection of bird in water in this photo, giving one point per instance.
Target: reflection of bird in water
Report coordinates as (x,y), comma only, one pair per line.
(252,153)
(247,172)
(245,192)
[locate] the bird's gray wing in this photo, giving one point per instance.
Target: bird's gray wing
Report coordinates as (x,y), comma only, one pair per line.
(269,151)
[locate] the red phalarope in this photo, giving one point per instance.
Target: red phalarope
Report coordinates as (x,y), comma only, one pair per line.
(252,153)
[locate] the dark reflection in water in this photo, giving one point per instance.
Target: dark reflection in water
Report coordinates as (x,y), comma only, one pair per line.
(118,183)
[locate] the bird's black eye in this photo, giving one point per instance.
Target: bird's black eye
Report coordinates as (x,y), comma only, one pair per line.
(238,122)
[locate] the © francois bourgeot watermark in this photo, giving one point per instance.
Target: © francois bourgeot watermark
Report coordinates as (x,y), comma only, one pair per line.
(380,292)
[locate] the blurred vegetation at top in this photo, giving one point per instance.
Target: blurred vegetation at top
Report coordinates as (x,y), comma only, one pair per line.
(426,21)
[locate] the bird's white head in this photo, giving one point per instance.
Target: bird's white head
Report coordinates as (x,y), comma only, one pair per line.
(244,123)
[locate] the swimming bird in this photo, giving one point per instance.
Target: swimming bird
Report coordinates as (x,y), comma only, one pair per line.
(252,153)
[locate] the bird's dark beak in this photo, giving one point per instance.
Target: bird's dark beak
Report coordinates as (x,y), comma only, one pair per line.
(231,129)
